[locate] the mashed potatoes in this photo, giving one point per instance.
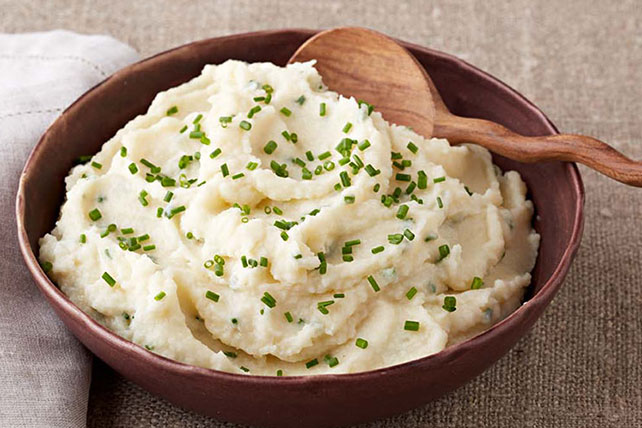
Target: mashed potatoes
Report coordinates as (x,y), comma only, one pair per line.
(254,222)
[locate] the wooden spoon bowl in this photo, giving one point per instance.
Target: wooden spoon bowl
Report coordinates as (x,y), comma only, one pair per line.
(368,65)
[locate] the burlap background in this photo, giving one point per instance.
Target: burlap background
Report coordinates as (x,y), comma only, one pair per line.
(580,62)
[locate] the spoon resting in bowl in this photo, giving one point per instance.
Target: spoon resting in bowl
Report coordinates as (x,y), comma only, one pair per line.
(370,66)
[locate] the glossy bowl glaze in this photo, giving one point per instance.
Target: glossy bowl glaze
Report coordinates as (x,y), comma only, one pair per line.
(555,188)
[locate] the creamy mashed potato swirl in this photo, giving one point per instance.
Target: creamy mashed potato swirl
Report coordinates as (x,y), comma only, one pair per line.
(254,222)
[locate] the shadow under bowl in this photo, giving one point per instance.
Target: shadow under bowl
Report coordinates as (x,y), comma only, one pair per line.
(555,189)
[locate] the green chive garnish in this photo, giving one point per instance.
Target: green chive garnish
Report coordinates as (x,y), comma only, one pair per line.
(142,197)
(268,300)
(225,170)
(212,296)
(311,364)
(422,180)
(270,147)
(412,147)
(279,372)
(331,361)
(408,234)
(172,110)
(224,120)
(403,177)
(348,199)
(345,180)
(245,369)
(237,176)
(284,236)
(300,100)
(373,283)
(395,238)
(149,247)
(411,325)
(364,145)
(339,296)
(175,211)
(123,151)
(83,238)
(450,303)
(440,203)
(322,108)
(378,249)
(402,211)
(361,343)
(95,214)
(245,125)
(253,111)
(286,111)
(133,168)
(108,279)
(160,296)
(477,283)
(347,128)
(230,354)
(288,316)
(439,179)
(183,129)
(444,251)
(215,153)
(411,293)
(96,165)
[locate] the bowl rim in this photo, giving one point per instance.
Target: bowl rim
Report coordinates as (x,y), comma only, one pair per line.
(53,293)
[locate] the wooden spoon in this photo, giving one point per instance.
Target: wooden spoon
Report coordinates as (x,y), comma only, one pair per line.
(370,66)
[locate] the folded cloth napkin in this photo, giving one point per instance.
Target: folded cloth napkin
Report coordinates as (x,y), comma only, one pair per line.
(44,371)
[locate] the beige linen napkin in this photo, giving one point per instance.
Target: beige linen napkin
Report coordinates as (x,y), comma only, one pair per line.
(44,372)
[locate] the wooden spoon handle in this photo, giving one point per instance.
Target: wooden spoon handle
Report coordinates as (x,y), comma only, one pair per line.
(564,147)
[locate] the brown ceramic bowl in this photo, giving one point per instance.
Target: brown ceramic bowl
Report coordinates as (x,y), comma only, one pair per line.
(555,188)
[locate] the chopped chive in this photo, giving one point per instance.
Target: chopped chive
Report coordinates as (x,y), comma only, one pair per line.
(395,156)
(309,155)
(279,372)
(95,214)
(324,155)
(322,109)
(331,361)
(230,354)
(251,165)
(133,168)
(288,316)
(160,296)
(197,119)
(224,120)
(108,279)
(270,147)
(378,249)
(172,110)
(364,145)
(175,211)
(411,325)
(411,293)
(212,296)
(411,188)
(344,161)
(154,169)
(373,283)
(439,179)
(83,238)
(285,111)
(196,135)
(245,125)
(263,261)
(123,151)
(268,299)
(402,211)
(245,369)
(444,251)
(159,212)
(215,153)
(253,111)
(412,147)
(450,303)
(183,129)
(440,203)
(218,270)
(348,258)
(422,180)
(298,256)
(142,197)
(348,199)
(347,128)
(376,187)
(477,283)
(46,266)
(371,170)
(96,165)
(277,210)
(284,236)
(300,100)
(225,170)
(168,196)
(403,177)
(361,343)
(189,235)
(237,176)
(345,180)
(257,99)
(328,165)
(267,88)
(408,234)
(311,363)
(338,295)
(168,182)
(204,140)
(395,238)
(406,163)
